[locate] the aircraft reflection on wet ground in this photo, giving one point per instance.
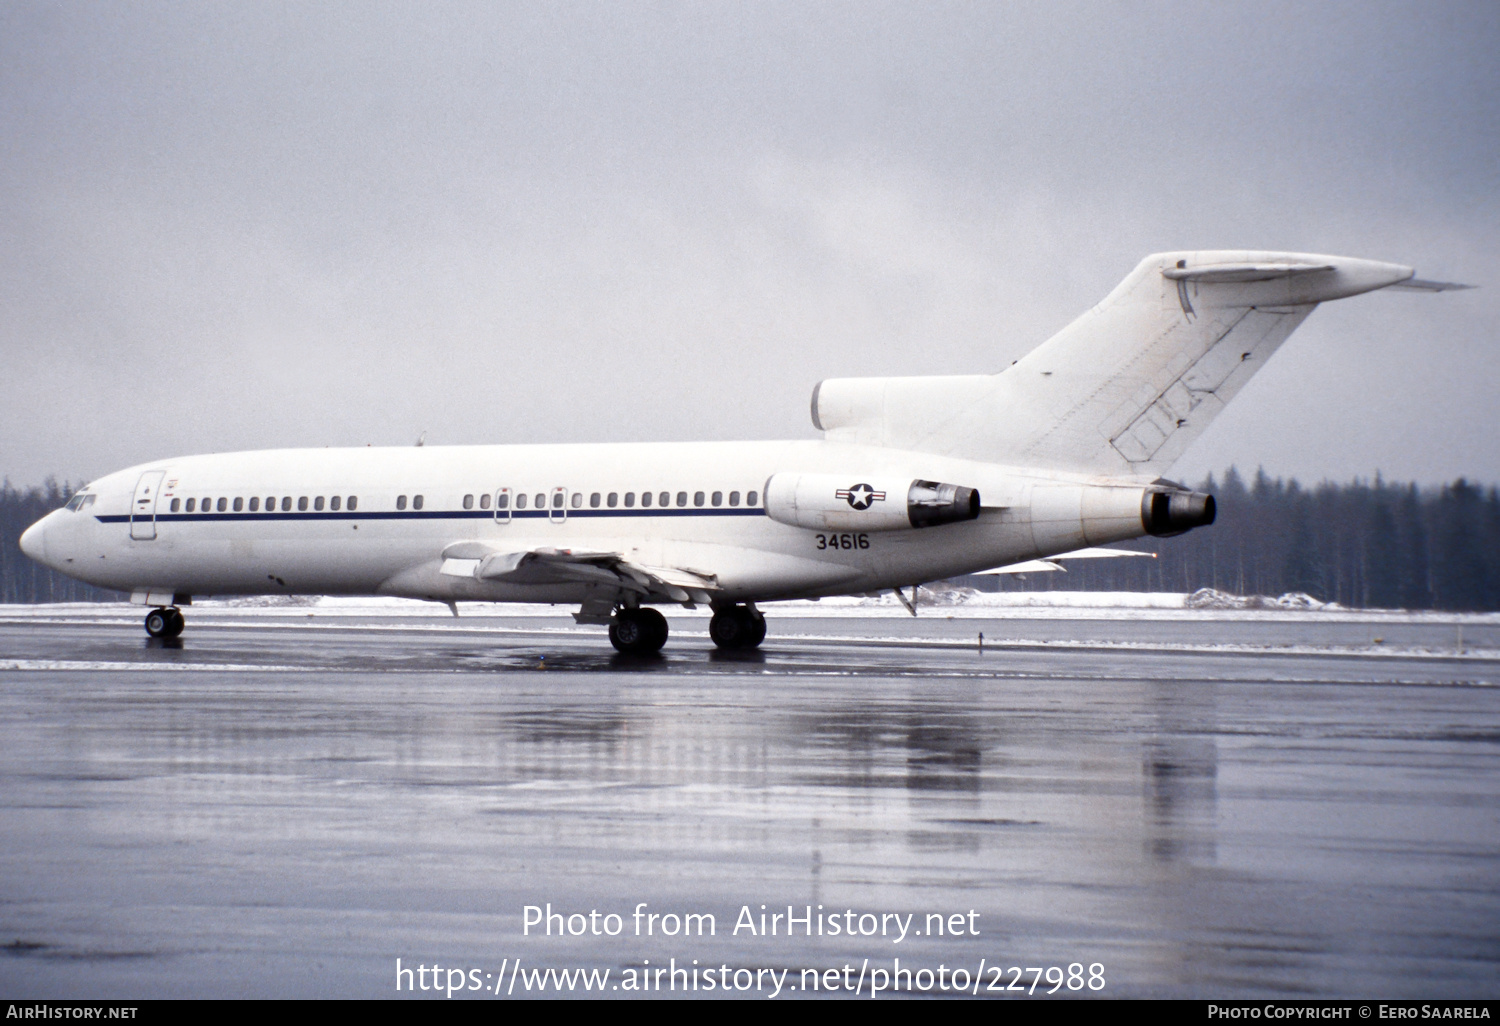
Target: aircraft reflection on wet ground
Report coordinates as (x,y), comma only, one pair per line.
(281,809)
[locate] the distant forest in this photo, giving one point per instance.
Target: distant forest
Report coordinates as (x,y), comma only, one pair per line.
(1370,544)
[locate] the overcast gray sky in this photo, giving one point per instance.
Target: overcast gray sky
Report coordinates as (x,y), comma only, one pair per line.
(244,226)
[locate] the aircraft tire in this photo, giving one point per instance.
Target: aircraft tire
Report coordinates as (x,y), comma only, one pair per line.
(737,627)
(638,631)
(175,628)
(159,623)
(658,627)
(727,628)
(757,627)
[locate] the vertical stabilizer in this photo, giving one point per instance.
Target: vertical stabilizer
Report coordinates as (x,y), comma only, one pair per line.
(1125,388)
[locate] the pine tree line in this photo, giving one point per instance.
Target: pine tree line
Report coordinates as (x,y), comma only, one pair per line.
(22,579)
(1368,543)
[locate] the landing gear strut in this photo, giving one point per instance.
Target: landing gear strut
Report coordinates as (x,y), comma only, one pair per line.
(165,623)
(737,627)
(640,631)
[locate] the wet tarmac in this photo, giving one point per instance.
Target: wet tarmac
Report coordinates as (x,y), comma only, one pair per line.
(284,806)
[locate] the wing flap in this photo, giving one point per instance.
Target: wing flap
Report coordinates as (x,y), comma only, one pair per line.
(483,562)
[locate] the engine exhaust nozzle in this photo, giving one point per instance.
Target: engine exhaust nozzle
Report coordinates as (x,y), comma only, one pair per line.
(1174,511)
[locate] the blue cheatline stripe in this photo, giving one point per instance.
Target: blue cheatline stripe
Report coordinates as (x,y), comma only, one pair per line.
(425,514)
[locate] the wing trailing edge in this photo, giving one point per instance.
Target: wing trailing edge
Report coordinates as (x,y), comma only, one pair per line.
(544,565)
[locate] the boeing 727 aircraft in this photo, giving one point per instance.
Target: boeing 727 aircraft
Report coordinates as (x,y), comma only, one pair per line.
(915,479)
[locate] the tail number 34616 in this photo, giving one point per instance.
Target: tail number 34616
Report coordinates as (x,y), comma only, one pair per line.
(843,541)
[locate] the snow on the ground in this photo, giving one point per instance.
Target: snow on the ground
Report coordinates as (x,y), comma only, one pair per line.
(941,601)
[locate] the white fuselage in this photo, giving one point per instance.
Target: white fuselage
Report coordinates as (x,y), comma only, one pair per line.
(234,543)
(1057,451)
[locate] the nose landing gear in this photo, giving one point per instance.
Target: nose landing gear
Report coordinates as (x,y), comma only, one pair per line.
(737,627)
(167,622)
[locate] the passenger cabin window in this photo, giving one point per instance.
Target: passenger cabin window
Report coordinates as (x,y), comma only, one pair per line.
(286,504)
(318,504)
(400,502)
(333,503)
(682,498)
(750,499)
(594,501)
(208,504)
(468,502)
(302,503)
(557,500)
(239,504)
(255,503)
(734,498)
(520,501)
(484,501)
(541,500)
(353,502)
(223,505)
(613,500)
(192,504)
(718,499)
(645,498)
(664,499)
(629,499)
(416,502)
(270,503)
(577,499)
(697,498)
(73,504)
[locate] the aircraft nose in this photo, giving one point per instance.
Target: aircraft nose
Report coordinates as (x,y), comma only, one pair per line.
(34,541)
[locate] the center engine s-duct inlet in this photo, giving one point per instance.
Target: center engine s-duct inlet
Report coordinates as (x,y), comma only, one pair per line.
(855,503)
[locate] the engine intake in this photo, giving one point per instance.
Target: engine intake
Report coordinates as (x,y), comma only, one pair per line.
(1166,512)
(850,503)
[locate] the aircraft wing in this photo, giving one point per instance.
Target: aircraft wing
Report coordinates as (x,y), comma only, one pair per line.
(1039,566)
(574,566)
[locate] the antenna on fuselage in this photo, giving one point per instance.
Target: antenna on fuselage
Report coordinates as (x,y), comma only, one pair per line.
(421,439)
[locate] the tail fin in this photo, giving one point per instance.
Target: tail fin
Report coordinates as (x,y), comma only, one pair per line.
(1125,388)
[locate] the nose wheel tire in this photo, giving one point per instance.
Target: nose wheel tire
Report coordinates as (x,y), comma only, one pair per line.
(737,627)
(638,631)
(165,623)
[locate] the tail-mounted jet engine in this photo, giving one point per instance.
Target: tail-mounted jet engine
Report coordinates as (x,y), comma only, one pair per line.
(1173,510)
(855,503)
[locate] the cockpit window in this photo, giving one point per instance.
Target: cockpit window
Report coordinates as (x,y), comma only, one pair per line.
(79,502)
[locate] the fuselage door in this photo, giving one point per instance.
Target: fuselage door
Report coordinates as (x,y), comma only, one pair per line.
(557,512)
(143,506)
(502,505)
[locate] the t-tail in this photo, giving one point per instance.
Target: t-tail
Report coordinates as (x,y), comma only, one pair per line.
(1123,390)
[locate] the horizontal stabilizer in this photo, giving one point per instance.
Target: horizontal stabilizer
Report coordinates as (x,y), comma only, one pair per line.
(1037,566)
(1422,285)
(1225,273)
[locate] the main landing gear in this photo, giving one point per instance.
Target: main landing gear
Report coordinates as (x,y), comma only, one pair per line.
(640,631)
(737,627)
(165,623)
(643,631)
